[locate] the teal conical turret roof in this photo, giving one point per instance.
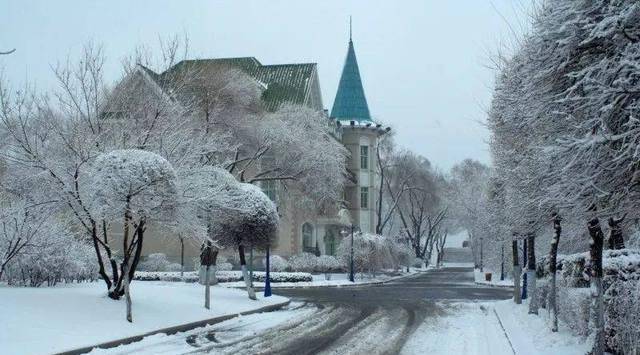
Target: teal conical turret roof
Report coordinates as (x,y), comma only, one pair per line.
(350,102)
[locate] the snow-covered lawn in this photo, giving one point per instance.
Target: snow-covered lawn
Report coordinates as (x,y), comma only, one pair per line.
(475,329)
(495,279)
(47,320)
(340,279)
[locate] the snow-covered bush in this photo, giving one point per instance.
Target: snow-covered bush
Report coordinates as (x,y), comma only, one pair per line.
(621,270)
(224,266)
(303,262)
(623,317)
(155,262)
(66,259)
(371,252)
(223,276)
(283,276)
(417,262)
(328,264)
(277,263)
(174,267)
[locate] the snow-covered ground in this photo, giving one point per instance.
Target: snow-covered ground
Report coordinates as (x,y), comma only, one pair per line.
(491,328)
(47,320)
(455,240)
(495,279)
(225,332)
(336,280)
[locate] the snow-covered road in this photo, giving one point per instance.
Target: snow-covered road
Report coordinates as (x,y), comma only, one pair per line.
(400,316)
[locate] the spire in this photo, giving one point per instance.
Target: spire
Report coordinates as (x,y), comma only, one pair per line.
(350,102)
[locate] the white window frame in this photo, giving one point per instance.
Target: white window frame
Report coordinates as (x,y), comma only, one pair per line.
(364,157)
(364,202)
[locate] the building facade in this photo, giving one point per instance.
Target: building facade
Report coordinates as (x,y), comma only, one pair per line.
(303,230)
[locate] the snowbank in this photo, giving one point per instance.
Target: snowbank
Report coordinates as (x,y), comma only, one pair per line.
(491,328)
(495,279)
(531,334)
(48,320)
(223,276)
(341,279)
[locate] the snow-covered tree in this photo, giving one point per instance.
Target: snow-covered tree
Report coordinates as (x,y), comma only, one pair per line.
(138,188)
(245,217)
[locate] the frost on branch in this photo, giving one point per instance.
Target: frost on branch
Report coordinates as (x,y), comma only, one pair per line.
(134,180)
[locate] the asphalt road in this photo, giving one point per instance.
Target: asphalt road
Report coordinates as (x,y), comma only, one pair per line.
(374,319)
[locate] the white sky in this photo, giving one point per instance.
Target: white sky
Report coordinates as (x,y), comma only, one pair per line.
(423,63)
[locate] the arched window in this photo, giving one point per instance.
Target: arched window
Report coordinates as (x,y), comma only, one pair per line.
(307,237)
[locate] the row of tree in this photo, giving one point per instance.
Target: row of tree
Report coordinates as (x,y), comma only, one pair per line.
(565,135)
(180,151)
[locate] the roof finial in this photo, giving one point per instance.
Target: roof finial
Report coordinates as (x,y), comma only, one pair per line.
(349,28)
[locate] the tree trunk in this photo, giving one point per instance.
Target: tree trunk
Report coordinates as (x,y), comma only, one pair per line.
(597,242)
(207,292)
(516,272)
(553,255)
(181,257)
(616,241)
(531,273)
(245,274)
(127,295)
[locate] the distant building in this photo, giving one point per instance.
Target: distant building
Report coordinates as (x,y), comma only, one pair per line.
(350,121)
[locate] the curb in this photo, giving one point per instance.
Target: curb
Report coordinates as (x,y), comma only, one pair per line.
(490,285)
(174,329)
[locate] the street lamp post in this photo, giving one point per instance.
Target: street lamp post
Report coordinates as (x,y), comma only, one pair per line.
(481,256)
(351,277)
(502,262)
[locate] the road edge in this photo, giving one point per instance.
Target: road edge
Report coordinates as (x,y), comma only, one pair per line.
(174,329)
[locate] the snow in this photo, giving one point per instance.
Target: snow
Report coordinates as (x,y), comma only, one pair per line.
(31,317)
(520,326)
(495,279)
(341,279)
(225,332)
(477,329)
(455,240)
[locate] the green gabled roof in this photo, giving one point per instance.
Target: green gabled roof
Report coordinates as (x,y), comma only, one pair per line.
(290,83)
(350,102)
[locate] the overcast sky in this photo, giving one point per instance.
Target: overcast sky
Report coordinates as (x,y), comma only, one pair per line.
(423,63)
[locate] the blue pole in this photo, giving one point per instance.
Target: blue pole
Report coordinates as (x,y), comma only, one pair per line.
(524,276)
(267,281)
(351,278)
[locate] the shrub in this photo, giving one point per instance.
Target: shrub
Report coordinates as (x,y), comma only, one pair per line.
(223,276)
(277,263)
(173,267)
(224,266)
(621,270)
(67,259)
(371,252)
(155,262)
(622,317)
(304,262)
(328,264)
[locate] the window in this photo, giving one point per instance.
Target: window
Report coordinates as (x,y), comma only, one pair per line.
(330,242)
(269,187)
(364,157)
(364,197)
(307,237)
